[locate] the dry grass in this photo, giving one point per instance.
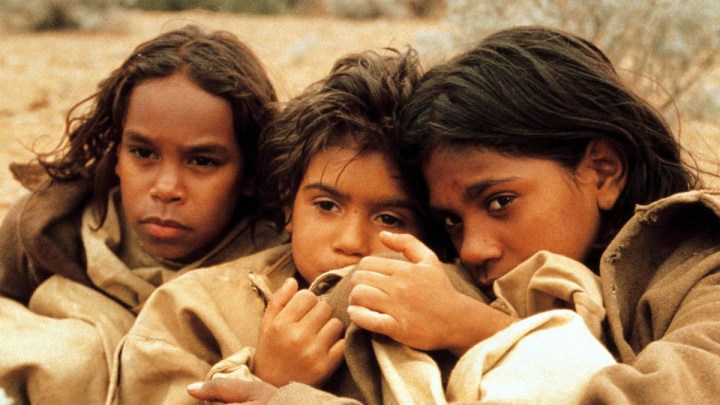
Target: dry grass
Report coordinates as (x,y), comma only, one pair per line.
(43,75)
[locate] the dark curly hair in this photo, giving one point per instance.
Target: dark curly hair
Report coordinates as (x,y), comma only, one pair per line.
(217,62)
(356,104)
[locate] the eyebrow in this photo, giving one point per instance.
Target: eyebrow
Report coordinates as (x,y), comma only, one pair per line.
(379,203)
(474,191)
(210,148)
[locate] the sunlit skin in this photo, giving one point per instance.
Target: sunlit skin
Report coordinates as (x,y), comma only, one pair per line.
(499,210)
(343,203)
(180,167)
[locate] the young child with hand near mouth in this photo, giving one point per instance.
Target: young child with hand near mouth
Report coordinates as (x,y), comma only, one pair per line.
(330,179)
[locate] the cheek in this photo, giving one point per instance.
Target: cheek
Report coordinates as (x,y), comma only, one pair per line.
(304,250)
(222,190)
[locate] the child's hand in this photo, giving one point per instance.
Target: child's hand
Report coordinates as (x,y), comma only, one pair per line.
(299,339)
(415,303)
(232,391)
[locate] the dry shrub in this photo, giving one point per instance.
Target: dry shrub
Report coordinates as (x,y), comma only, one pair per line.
(668,50)
(55,15)
(363,9)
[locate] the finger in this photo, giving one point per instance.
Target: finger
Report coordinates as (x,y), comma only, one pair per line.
(336,354)
(295,310)
(382,265)
(371,277)
(330,333)
(411,247)
(316,317)
(368,296)
(280,298)
(372,321)
(221,389)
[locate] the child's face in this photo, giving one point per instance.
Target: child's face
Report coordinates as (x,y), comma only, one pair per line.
(342,204)
(180,167)
(501,210)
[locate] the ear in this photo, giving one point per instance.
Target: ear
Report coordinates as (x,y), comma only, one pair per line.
(607,170)
(117,163)
(288,220)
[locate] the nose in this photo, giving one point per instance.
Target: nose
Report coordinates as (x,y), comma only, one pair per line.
(478,248)
(353,238)
(167,186)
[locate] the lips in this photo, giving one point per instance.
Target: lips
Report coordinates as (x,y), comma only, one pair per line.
(162,228)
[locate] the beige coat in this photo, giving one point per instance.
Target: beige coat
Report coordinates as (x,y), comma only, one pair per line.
(660,281)
(192,323)
(208,319)
(69,293)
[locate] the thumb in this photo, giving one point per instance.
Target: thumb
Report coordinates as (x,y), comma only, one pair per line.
(280,298)
(220,389)
(410,246)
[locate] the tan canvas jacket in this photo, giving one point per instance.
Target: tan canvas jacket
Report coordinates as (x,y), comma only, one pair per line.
(192,323)
(59,329)
(660,282)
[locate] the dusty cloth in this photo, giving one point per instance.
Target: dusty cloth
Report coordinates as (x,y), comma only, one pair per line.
(547,357)
(48,238)
(661,284)
(40,236)
(661,289)
(358,381)
(192,323)
(59,350)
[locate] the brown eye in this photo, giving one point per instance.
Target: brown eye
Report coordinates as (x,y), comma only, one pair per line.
(500,202)
(326,205)
(142,153)
(450,220)
(390,220)
(203,161)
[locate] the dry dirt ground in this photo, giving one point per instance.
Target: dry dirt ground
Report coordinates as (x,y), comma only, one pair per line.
(43,75)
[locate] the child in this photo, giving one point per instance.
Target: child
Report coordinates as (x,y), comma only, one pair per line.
(331,181)
(154,180)
(528,143)
(531,142)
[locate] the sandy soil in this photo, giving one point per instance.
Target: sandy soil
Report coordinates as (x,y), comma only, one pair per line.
(43,75)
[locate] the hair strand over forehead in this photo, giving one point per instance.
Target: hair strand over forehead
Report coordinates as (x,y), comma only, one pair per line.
(544,93)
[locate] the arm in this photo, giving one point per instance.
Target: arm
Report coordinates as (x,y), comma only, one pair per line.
(680,366)
(14,279)
(260,393)
(182,331)
(414,302)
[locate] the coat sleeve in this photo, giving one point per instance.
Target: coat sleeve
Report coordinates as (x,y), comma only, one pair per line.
(185,327)
(681,366)
(301,394)
(14,278)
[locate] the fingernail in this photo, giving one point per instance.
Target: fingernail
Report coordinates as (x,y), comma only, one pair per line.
(195,386)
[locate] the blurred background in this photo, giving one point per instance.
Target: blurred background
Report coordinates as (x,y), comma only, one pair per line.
(53,52)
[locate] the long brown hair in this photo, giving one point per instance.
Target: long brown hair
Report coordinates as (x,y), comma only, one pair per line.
(217,62)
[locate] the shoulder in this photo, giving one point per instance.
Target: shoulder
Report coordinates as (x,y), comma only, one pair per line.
(696,203)
(228,275)
(679,218)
